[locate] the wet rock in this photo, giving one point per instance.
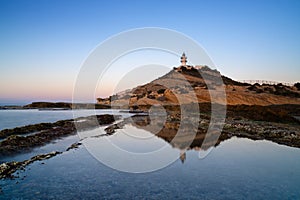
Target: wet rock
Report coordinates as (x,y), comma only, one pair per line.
(287,134)
(111,129)
(7,169)
(74,146)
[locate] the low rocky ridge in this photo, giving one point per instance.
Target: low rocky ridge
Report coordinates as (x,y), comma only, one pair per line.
(8,169)
(32,128)
(285,134)
(272,113)
(15,141)
(278,89)
(56,106)
(65,105)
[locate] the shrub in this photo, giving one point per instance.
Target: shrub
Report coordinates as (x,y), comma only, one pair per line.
(297,85)
(161,91)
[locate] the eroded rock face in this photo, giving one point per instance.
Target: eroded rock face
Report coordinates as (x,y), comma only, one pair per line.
(169,95)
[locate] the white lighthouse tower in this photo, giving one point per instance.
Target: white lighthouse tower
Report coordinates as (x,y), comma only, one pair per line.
(183,60)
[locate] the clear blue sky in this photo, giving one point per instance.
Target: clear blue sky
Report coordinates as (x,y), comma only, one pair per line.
(44,42)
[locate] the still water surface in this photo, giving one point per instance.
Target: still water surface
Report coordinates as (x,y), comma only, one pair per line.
(236,169)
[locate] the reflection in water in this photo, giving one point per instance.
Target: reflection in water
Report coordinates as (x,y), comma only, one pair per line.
(201,133)
(182,134)
(182,156)
(237,169)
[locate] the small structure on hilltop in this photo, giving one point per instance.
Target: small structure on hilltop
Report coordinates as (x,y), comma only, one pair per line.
(200,66)
(183,60)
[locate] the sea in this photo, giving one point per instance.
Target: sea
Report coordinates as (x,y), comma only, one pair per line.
(134,163)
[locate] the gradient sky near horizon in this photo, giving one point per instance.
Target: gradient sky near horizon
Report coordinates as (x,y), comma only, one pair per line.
(43,43)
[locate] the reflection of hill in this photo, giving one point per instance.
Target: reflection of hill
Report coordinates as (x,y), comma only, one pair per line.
(181,135)
(192,131)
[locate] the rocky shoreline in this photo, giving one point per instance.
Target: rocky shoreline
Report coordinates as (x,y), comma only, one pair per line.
(17,140)
(285,134)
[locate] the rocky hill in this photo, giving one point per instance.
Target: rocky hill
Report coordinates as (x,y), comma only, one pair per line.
(181,84)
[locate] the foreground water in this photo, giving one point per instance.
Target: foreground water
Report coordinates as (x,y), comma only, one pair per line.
(236,169)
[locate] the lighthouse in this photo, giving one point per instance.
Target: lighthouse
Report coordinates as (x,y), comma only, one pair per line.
(183,59)
(183,66)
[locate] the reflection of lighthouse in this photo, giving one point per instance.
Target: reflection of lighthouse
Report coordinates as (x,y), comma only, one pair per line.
(182,155)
